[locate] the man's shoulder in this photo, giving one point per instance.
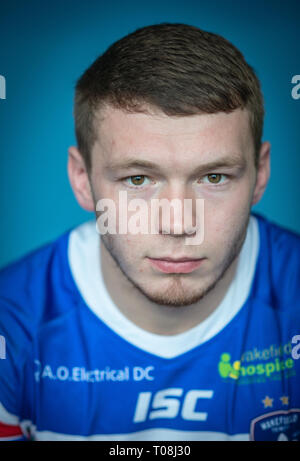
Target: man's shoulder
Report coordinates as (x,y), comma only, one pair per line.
(279,263)
(32,263)
(38,286)
(278,243)
(277,234)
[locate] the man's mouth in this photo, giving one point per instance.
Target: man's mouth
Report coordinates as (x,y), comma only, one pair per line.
(176,266)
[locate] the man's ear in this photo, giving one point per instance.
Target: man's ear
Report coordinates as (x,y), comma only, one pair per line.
(79,179)
(263,172)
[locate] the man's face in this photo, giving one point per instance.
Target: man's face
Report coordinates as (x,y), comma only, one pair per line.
(180,150)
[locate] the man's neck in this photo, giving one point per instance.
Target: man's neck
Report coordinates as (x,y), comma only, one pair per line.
(155,318)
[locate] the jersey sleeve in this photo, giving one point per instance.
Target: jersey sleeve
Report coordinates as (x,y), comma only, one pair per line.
(15,349)
(34,290)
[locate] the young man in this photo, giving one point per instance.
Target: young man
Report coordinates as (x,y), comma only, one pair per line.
(147,336)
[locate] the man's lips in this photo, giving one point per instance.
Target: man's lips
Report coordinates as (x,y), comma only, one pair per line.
(176,266)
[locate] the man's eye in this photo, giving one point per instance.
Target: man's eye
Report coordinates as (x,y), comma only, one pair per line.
(214,178)
(138,180)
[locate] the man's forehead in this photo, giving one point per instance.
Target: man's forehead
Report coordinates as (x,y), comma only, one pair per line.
(155,135)
(154,118)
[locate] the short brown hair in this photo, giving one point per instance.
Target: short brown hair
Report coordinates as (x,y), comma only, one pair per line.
(180,69)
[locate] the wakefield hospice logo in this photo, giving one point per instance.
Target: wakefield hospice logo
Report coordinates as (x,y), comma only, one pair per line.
(2,87)
(258,365)
(138,216)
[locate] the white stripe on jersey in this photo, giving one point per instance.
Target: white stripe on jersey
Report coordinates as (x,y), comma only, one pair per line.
(8,418)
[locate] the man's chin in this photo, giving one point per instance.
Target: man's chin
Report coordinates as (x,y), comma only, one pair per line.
(172,301)
(176,294)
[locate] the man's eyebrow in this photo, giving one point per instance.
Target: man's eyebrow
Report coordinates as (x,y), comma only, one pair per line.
(132,163)
(223,162)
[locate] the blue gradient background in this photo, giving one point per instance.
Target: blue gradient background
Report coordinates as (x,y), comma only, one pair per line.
(46,45)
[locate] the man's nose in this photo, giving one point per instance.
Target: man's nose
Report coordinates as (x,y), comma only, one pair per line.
(176,212)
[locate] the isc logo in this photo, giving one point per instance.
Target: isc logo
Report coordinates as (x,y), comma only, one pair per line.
(168,402)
